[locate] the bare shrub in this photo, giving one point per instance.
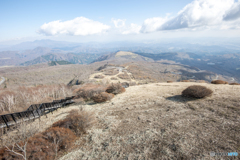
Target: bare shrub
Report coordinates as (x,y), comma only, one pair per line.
(102,97)
(111,72)
(185,81)
(114,78)
(169,81)
(196,92)
(219,82)
(22,97)
(79,121)
(115,88)
(234,84)
(89,90)
(99,76)
(124,76)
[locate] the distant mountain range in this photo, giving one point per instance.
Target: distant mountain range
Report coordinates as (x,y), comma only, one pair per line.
(69,57)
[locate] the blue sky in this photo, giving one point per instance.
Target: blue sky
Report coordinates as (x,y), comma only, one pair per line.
(105,20)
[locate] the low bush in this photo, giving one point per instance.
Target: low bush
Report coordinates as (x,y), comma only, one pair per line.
(88,91)
(114,78)
(78,121)
(234,84)
(219,82)
(169,81)
(196,91)
(46,145)
(185,81)
(99,76)
(102,97)
(115,88)
(124,75)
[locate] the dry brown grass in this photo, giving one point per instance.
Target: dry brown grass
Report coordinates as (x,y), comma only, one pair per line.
(169,81)
(49,144)
(196,91)
(219,82)
(153,122)
(115,88)
(102,97)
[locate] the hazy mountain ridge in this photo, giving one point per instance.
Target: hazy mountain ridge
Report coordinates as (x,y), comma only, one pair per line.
(70,57)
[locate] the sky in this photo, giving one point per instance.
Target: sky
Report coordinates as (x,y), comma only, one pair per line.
(117,20)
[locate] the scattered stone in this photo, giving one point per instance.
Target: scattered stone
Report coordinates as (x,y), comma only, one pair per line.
(173,147)
(125,84)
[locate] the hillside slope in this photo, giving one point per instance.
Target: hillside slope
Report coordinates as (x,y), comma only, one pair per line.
(123,56)
(153,122)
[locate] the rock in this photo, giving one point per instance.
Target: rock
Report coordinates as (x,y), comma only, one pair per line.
(75,82)
(125,84)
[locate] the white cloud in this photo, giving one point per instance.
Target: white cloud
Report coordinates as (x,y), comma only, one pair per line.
(233,13)
(152,24)
(78,26)
(197,14)
(119,23)
(133,29)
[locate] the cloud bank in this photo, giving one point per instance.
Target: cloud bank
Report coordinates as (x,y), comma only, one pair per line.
(233,13)
(78,26)
(195,16)
(198,13)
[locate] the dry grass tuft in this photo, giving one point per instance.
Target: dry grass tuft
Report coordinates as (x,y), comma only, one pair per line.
(219,82)
(78,121)
(234,84)
(102,97)
(196,92)
(115,88)
(169,81)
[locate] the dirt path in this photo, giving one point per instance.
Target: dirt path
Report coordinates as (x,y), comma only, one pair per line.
(2,80)
(108,77)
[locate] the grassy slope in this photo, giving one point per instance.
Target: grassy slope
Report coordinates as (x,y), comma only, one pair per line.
(153,121)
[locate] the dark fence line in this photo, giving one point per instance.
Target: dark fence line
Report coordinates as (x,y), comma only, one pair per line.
(33,112)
